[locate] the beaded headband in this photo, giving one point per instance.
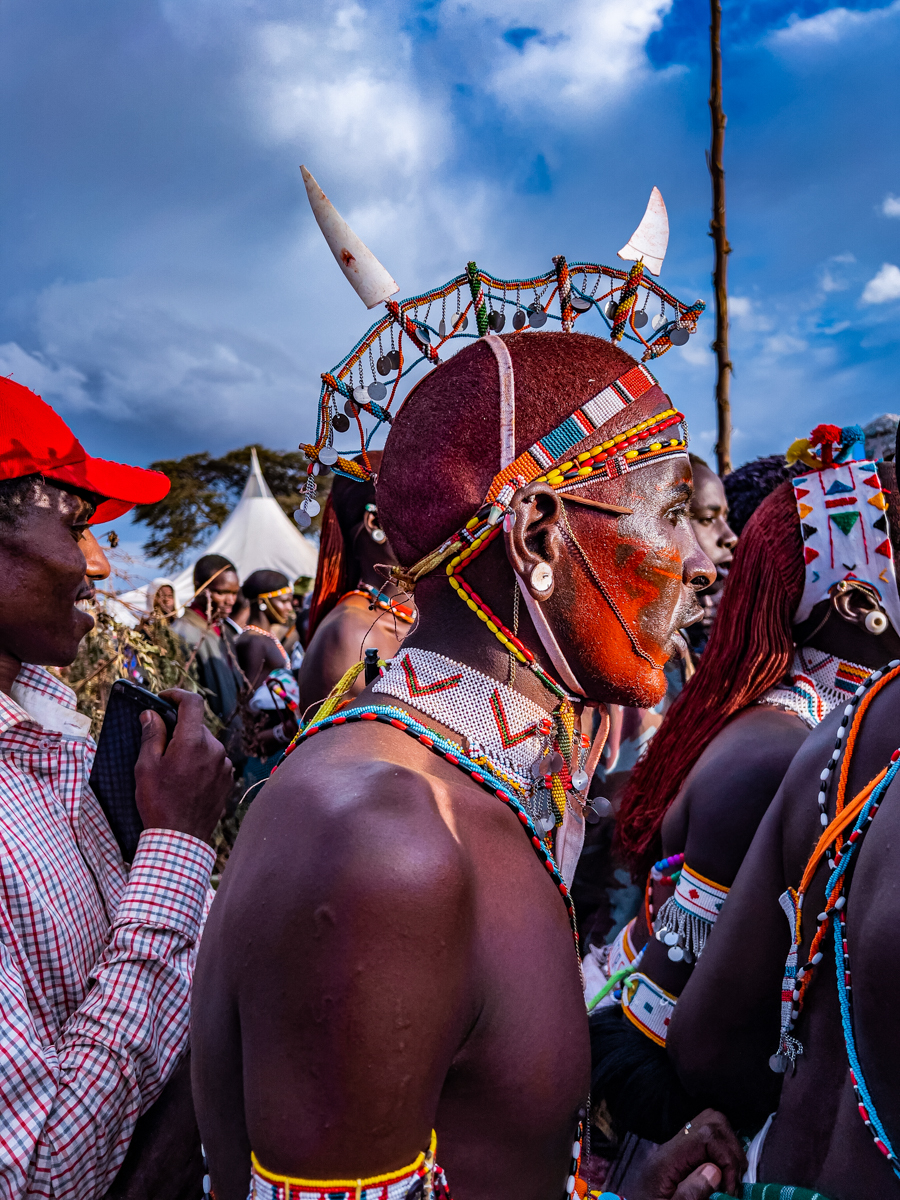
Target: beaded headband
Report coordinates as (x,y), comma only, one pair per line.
(842,508)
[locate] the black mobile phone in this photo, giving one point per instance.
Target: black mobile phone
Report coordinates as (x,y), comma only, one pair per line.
(112,777)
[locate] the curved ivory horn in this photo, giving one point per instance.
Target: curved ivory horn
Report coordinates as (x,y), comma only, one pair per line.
(369,279)
(651,238)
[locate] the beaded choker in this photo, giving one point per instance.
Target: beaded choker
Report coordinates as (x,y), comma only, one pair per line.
(819,682)
(377,599)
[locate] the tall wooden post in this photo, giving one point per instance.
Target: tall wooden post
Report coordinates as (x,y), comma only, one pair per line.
(720,242)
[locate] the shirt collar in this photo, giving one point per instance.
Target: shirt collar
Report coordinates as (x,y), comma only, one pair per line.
(38,697)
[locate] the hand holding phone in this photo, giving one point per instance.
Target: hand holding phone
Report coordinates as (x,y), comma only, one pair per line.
(185,784)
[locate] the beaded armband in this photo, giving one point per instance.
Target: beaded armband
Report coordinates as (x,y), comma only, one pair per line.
(622,953)
(421,1180)
(686,918)
(647,1006)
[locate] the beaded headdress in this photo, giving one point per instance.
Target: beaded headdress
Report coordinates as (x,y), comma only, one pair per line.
(842,507)
(363,388)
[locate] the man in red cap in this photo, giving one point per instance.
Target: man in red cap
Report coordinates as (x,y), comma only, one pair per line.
(96,960)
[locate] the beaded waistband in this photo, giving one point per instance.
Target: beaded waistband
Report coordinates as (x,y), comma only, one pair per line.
(415,1182)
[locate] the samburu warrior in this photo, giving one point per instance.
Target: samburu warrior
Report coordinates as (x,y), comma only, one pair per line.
(390,976)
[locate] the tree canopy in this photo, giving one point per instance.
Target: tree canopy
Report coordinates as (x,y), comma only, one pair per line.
(204,491)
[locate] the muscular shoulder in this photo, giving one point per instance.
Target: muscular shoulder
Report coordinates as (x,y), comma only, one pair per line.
(731,786)
(371,840)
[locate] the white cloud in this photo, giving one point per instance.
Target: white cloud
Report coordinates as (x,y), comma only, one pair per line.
(891,206)
(746,315)
(884,286)
(832,26)
(568,59)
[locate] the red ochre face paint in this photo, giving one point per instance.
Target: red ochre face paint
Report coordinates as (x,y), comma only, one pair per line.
(645,562)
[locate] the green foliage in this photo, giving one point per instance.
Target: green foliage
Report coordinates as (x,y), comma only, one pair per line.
(204,491)
(113,651)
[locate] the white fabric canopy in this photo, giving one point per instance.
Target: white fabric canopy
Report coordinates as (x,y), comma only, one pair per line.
(257,536)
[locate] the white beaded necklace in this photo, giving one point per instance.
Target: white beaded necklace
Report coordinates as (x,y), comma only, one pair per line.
(819,682)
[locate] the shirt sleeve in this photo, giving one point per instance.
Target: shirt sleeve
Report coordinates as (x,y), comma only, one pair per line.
(67,1112)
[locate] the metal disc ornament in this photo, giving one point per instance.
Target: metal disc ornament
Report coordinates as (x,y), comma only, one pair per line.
(581,303)
(351,407)
(383,366)
(545,824)
(442,328)
(377,391)
(464,326)
(640,319)
(303,519)
(678,337)
(657,321)
(340,422)
(519,319)
(423,333)
(394,359)
(610,309)
(328,455)
(536,318)
(496,321)
(361,395)
(313,507)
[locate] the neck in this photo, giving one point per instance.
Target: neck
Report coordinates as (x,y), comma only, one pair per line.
(259,619)
(448,627)
(854,644)
(9,670)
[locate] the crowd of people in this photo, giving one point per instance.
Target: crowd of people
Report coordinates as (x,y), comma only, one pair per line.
(568,806)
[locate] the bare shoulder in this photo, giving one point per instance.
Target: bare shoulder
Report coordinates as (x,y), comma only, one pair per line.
(733,783)
(342,824)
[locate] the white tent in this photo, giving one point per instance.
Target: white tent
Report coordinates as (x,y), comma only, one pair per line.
(255,537)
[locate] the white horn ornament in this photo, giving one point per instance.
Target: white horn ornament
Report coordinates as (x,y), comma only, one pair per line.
(369,279)
(651,238)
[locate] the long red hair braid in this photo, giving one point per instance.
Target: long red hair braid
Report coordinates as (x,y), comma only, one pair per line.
(750,649)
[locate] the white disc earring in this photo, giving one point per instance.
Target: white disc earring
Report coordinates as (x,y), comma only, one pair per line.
(542,577)
(378,535)
(876,622)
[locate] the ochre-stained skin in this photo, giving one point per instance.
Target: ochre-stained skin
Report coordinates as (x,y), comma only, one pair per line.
(386,953)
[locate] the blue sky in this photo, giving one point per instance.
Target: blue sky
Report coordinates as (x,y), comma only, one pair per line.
(164,285)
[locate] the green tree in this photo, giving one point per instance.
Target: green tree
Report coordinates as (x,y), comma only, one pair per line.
(204,491)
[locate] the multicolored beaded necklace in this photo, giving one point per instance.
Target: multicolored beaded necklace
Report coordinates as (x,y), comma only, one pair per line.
(272,638)
(819,682)
(377,600)
(797,981)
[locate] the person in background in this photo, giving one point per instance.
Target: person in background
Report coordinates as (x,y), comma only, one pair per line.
(709,517)
(96,960)
(354,608)
(161,603)
(240,614)
(271,696)
(881,433)
(204,627)
(748,485)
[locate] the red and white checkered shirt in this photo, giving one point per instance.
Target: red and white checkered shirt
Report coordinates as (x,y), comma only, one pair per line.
(95,961)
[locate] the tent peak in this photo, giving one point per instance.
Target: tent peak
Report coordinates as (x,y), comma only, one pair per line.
(256,482)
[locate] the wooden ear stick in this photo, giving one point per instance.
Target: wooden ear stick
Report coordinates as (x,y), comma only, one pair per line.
(598,504)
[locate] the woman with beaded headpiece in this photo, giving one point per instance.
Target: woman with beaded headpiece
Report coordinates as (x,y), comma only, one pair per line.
(354,606)
(809,609)
(390,971)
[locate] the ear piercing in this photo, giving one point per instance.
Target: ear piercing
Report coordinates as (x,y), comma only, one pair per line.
(542,578)
(876,622)
(378,535)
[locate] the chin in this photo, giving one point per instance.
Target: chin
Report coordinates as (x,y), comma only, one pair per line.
(644,688)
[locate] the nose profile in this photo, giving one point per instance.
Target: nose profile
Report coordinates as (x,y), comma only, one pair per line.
(96,564)
(699,572)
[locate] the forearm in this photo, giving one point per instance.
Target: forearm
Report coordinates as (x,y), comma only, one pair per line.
(67,1111)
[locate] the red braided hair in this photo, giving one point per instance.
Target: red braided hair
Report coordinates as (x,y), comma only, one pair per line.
(337,571)
(750,649)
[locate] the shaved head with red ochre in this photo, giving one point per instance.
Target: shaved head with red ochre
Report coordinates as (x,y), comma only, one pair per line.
(442,454)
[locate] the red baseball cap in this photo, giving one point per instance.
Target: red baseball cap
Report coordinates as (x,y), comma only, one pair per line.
(34,440)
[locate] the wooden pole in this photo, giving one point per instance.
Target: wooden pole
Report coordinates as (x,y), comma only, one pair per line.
(720,241)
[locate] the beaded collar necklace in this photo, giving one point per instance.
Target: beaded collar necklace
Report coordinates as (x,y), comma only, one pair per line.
(503,728)
(377,600)
(819,682)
